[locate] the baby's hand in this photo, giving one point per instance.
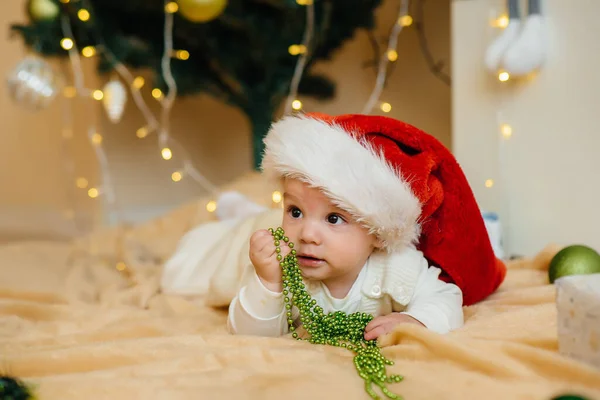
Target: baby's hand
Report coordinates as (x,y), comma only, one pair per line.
(264,259)
(385,324)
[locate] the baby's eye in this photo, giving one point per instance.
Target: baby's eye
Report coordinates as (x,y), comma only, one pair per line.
(295,212)
(335,219)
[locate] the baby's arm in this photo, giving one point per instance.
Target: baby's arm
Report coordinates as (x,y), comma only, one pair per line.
(436,304)
(257,311)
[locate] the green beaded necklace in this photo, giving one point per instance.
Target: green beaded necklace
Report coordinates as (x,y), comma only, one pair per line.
(335,329)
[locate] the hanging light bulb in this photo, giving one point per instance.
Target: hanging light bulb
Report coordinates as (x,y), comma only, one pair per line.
(386,107)
(405,20)
(506,130)
(138,82)
(171,7)
(98,94)
(157,93)
(503,76)
(211,206)
(97,139)
(142,132)
(88,51)
(166,153)
(176,176)
(93,193)
(67,43)
(83,14)
(392,55)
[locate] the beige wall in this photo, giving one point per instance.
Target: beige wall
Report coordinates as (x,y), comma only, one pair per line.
(547,174)
(217,136)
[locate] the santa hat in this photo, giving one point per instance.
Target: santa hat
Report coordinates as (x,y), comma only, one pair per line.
(398,181)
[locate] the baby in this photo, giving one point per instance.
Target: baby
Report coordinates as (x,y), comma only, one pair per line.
(358,204)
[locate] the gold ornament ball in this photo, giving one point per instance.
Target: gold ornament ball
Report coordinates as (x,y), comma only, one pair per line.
(574,260)
(201,10)
(43,9)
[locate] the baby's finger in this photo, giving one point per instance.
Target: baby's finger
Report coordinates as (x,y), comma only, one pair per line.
(264,242)
(375,333)
(375,322)
(285,249)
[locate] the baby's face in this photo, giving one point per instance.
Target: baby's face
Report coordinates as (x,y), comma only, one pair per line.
(331,247)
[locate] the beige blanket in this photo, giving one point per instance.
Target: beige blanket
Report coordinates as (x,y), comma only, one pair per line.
(86,320)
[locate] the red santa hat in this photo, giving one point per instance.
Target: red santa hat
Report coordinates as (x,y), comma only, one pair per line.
(398,181)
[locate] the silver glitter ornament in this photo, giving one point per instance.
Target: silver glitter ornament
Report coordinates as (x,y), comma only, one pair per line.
(33,83)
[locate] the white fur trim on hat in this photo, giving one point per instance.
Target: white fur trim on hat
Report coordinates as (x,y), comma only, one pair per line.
(354,176)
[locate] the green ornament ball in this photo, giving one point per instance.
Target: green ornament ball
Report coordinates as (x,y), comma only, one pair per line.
(43,10)
(574,260)
(14,389)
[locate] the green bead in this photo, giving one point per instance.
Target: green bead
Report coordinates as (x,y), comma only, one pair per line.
(335,329)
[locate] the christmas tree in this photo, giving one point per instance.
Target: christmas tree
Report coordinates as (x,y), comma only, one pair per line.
(243,52)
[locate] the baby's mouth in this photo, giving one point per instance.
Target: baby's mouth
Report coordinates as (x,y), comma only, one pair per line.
(309,261)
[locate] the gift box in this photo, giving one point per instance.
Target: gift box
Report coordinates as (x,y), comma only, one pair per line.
(578,307)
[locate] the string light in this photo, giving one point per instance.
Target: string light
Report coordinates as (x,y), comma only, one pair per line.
(176,176)
(304,2)
(297,105)
(182,54)
(301,63)
(66,44)
(171,7)
(166,153)
(386,107)
(506,131)
(157,93)
(81,183)
(121,266)
(93,193)
(97,139)
(211,206)
(93,136)
(142,132)
(88,51)
(392,55)
(152,123)
(501,22)
(83,15)
(138,82)
(403,20)
(489,183)
(503,76)
(296,49)
(276,197)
